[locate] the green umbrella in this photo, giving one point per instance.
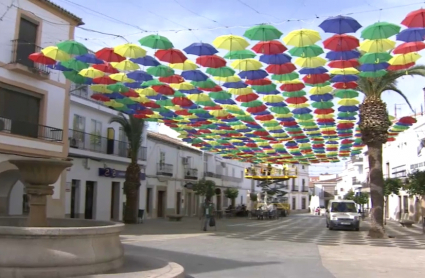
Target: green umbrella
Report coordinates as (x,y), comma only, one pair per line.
(239,112)
(263,32)
(327,83)
(153,82)
(285,77)
(221,95)
(373,74)
(306,51)
(303,116)
(349,93)
(374,58)
(280,110)
(270,124)
(72,47)
(74,65)
(206,103)
(307,123)
(253,103)
(294,94)
(380,30)
(240,54)
(165,102)
(161,71)
(204,84)
(118,87)
(75,77)
(347,114)
(264,88)
(156,42)
(246,118)
(221,72)
(126,101)
(322,104)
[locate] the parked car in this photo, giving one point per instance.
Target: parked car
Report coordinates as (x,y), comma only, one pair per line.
(342,214)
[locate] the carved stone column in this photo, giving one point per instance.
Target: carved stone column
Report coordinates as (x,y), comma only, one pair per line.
(37,195)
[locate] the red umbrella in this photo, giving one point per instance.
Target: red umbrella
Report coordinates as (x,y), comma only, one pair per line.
(217,107)
(400,67)
(204,131)
(256,109)
(183,112)
(329,132)
(323,111)
(145,112)
(345,85)
(264,117)
(341,43)
(182,101)
(325,121)
(261,133)
(216,88)
(281,69)
(269,47)
(247,98)
(141,116)
(342,64)
(105,80)
(170,55)
(258,82)
(211,61)
(163,89)
(100,97)
(288,124)
(151,104)
(107,54)
(407,120)
(316,78)
(251,145)
(130,93)
(347,141)
(105,68)
(408,47)
(172,79)
(292,87)
(41,59)
(415,19)
(296,100)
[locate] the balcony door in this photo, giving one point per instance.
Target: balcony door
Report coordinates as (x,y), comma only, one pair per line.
(95,136)
(26,43)
(78,126)
(122,144)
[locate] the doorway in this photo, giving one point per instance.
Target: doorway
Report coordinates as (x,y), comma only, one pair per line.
(75,194)
(178,202)
(115,201)
(160,204)
(189,204)
(89,208)
(148,200)
(218,194)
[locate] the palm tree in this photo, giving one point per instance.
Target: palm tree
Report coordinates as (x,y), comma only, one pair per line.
(374,125)
(133,129)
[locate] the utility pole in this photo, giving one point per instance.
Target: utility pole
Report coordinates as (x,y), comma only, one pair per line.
(396,107)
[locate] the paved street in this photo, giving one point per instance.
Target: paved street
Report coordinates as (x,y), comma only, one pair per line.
(295,246)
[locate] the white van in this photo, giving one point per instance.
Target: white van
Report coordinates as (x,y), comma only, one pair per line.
(342,214)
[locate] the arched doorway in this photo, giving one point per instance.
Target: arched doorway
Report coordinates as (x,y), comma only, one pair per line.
(9,175)
(218,196)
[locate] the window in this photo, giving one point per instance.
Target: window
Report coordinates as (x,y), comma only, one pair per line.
(79,126)
(303,203)
(302,167)
(26,42)
(122,143)
(161,158)
(233,172)
(95,136)
(294,203)
(25,120)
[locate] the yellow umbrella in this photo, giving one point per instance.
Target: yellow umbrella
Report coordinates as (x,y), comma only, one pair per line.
(273,98)
(289,115)
(403,59)
(55,53)
(241,91)
(199,97)
(141,99)
(321,90)
(345,71)
(182,86)
(299,105)
(247,64)
(230,42)
(303,37)
(149,92)
(274,128)
(100,88)
(233,78)
(324,116)
(125,65)
(348,101)
(174,107)
(377,46)
(186,65)
(232,108)
(91,73)
(121,77)
(113,103)
(130,50)
(219,113)
(311,62)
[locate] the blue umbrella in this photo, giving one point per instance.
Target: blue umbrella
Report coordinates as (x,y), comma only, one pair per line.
(225,101)
(411,35)
(253,74)
(348,108)
(58,66)
(136,106)
(276,104)
(235,85)
(342,55)
(317,70)
(344,78)
(275,59)
(324,97)
(194,75)
(301,111)
(260,113)
(277,131)
(200,49)
(230,120)
(274,92)
(147,61)
(374,67)
(253,126)
(89,58)
(140,75)
(191,92)
(347,118)
(116,96)
(133,85)
(340,25)
(290,119)
(243,130)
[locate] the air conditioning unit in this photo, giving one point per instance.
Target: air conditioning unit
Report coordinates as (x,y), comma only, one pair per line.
(223,164)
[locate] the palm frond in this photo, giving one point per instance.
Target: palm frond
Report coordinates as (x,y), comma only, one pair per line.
(398,91)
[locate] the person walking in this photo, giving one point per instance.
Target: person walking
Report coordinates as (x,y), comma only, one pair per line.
(208,211)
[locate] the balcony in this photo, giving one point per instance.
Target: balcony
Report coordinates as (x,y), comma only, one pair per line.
(99,144)
(304,188)
(190,173)
(30,130)
(356,181)
(294,188)
(222,177)
(22,64)
(163,169)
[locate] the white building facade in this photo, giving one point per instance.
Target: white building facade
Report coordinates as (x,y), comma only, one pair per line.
(351,178)
(34,101)
(298,190)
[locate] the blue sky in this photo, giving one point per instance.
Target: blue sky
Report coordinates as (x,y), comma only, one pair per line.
(188,21)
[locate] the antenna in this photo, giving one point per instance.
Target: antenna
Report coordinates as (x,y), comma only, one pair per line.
(396,107)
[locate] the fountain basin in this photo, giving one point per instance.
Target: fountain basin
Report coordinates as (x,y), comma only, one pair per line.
(67,248)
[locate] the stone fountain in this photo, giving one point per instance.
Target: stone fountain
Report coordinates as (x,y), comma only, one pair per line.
(37,246)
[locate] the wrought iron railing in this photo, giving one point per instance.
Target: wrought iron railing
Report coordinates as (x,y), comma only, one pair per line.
(190,173)
(96,143)
(164,169)
(21,50)
(31,130)
(294,188)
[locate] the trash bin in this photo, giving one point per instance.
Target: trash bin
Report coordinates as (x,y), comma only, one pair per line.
(140,216)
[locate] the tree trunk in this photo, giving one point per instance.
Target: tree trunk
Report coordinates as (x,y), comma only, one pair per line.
(376,190)
(131,190)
